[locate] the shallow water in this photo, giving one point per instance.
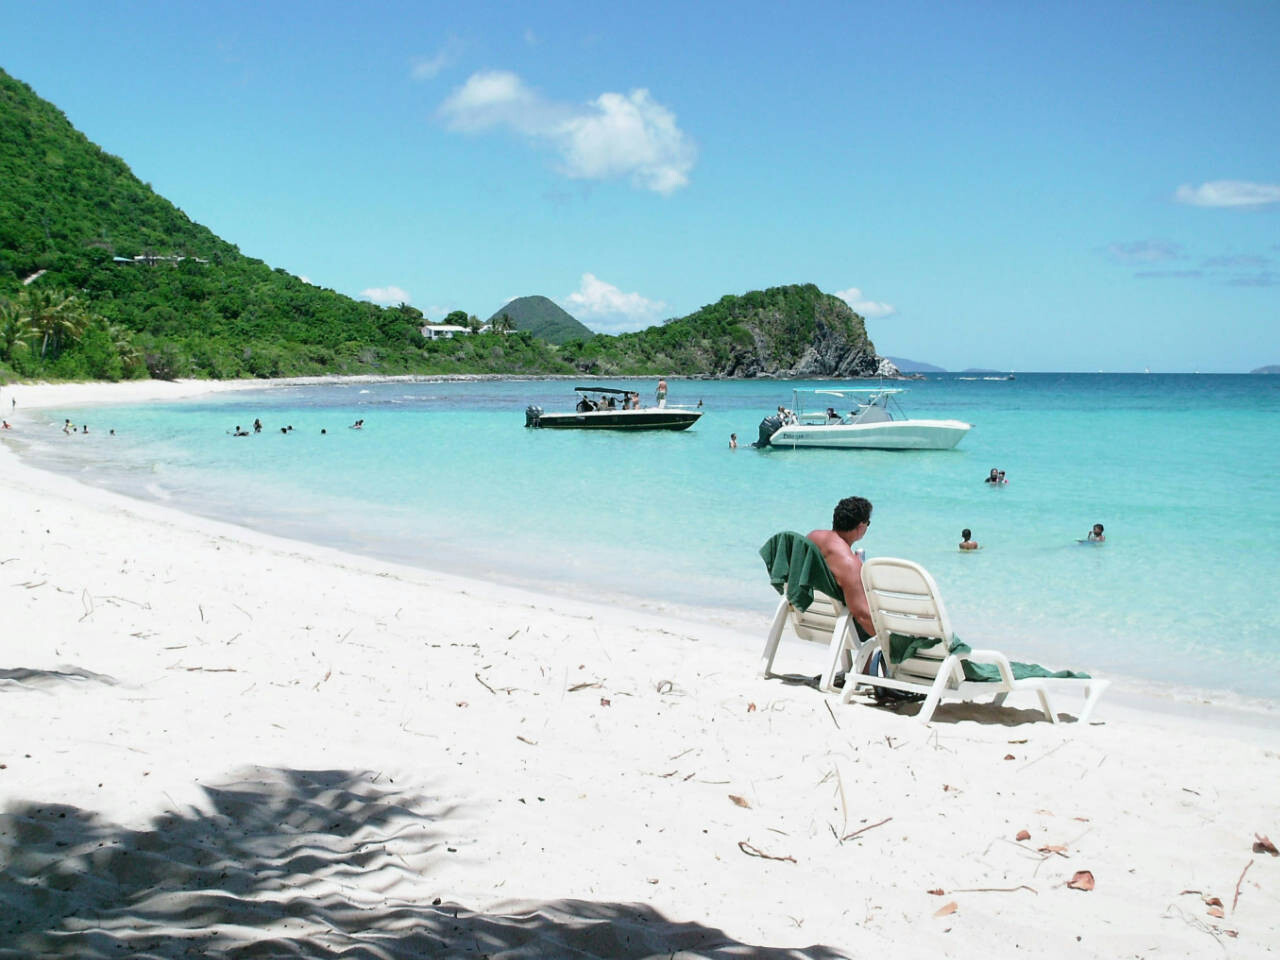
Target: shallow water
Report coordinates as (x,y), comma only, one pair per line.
(1180,469)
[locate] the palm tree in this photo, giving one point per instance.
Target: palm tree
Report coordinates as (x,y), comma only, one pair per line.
(120,339)
(14,330)
(474,324)
(503,324)
(52,314)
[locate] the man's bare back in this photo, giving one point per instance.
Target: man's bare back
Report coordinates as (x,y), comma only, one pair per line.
(850,521)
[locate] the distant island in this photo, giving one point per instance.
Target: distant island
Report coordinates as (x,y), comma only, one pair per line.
(103,279)
(915,366)
(1269,368)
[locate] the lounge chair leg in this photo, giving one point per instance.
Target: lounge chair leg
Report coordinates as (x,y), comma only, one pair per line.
(835,654)
(775,635)
(935,692)
(1045,705)
(1091,694)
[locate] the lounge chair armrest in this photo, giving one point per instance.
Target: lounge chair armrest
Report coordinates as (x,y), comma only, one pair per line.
(995,657)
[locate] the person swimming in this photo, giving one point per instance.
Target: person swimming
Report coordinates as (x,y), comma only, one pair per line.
(1096,535)
(966,540)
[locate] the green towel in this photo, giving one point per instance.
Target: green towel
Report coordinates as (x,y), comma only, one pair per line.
(904,648)
(796,564)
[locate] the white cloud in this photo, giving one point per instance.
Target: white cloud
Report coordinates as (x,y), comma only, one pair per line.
(613,136)
(305,279)
(427,68)
(386,295)
(1228,193)
(609,307)
(870,309)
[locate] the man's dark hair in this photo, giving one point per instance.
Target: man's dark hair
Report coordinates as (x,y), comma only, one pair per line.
(850,512)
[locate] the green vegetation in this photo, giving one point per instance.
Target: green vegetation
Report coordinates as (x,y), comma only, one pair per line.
(100,278)
(783,331)
(146,291)
(543,318)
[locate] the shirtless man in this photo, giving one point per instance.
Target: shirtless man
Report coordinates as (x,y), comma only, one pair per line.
(849,524)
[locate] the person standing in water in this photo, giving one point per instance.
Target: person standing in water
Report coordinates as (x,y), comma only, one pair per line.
(733,441)
(966,540)
(1095,535)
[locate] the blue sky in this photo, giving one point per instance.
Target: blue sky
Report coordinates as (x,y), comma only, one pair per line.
(1015,185)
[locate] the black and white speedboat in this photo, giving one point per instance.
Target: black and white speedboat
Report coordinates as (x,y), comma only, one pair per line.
(608,408)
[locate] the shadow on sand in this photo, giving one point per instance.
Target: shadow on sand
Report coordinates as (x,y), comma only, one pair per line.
(292,863)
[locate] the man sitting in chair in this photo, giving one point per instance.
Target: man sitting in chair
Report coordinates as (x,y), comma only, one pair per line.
(849,524)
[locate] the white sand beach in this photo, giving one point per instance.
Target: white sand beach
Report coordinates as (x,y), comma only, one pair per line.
(220,742)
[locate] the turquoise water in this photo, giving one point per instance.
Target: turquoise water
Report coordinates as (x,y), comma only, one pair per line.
(1181,470)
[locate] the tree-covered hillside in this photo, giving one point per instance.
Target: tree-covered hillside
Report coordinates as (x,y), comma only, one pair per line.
(543,318)
(791,331)
(120,282)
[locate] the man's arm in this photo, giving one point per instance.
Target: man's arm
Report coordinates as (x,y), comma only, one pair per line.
(847,569)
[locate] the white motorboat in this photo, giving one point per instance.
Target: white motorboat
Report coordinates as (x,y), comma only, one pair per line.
(874,421)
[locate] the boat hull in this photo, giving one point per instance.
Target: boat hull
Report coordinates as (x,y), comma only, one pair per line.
(656,419)
(890,435)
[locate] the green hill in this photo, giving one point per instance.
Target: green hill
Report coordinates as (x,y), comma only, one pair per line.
(793,331)
(129,285)
(544,319)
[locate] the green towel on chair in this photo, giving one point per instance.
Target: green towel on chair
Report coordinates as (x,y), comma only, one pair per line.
(904,648)
(796,564)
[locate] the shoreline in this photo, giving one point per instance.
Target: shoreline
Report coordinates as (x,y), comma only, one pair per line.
(1140,693)
(468,762)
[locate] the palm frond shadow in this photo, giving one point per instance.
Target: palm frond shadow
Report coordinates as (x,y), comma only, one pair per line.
(297,863)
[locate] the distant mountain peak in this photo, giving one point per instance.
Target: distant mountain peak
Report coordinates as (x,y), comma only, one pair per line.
(543,318)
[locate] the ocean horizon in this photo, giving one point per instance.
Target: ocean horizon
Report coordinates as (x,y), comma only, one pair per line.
(445,476)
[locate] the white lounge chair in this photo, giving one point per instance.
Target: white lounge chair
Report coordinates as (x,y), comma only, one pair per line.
(800,574)
(905,602)
(826,621)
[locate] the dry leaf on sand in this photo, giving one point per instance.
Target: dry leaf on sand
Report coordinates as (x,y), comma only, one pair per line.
(946,909)
(1263,844)
(1010,756)
(739,801)
(1023,835)
(1216,912)
(936,892)
(1083,880)
(751,708)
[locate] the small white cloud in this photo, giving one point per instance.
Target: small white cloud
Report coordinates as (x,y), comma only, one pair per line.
(386,295)
(870,309)
(1143,251)
(609,307)
(305,279)
(1228,193)
(613,136)
(427,68)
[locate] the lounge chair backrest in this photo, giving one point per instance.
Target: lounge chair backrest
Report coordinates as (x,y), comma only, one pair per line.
(819,620)
(905,600)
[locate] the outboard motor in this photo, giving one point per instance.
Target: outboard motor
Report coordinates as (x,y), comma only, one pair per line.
(532,416)
(768,427)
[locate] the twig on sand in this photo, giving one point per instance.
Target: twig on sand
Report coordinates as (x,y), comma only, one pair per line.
(485,685)
(870,826)
(584,685)
(87,600)
(1236,898)
(827,704)
(200,607)
(751,851)
(1043,755)
(532,743)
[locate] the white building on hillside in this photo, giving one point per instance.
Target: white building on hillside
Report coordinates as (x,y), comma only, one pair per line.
(442,331)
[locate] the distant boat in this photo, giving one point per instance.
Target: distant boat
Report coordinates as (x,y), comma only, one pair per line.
(871,425)
(608,408)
